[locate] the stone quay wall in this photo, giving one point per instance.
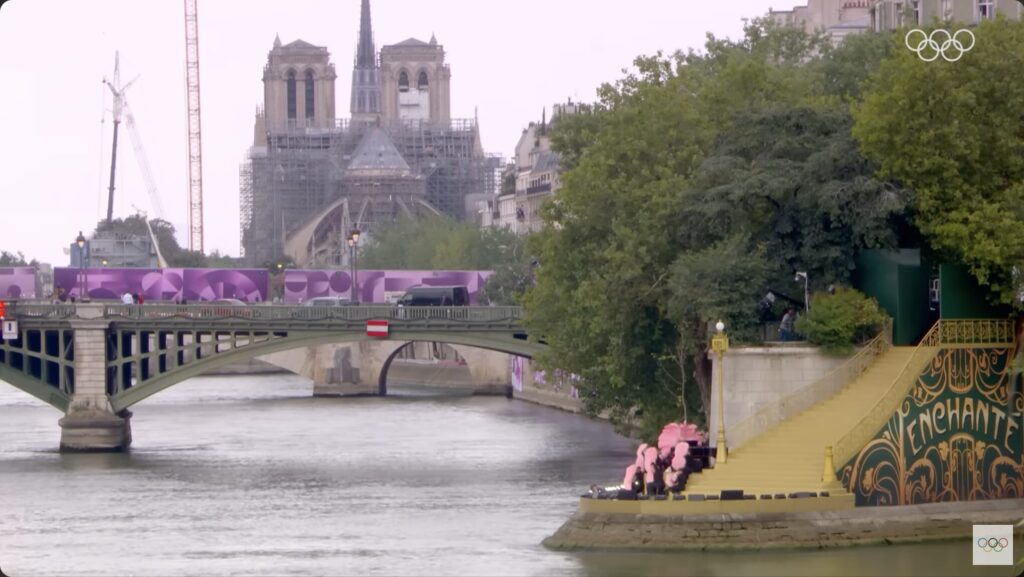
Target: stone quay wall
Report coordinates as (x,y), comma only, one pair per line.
(860,526)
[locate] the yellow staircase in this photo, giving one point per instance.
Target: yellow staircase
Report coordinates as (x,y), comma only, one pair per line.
(790,457)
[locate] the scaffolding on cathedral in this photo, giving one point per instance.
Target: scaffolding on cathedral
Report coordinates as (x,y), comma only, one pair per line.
(301,172)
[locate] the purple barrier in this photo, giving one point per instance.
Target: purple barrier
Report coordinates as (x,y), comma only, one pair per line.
(169,284)
(18,283)
(375,286)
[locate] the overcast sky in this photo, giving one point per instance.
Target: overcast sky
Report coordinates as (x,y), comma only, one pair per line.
(509,60)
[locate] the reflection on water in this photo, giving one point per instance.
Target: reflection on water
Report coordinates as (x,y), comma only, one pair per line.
(250,475)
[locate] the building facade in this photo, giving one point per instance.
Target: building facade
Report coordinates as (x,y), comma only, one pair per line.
(838,18)
(535,173)
(892,14)
(310,178)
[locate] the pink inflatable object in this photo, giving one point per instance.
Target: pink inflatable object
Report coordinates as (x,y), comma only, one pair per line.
(675,433)
(679,457)
(627,482)
(640,456)
(650,455)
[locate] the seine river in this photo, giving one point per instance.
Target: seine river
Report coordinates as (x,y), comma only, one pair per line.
(252,476)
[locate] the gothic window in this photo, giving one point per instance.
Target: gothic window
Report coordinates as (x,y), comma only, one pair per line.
(309,94)
(373,102)
(422,83)
(361,107)
(403,82)
(291,95)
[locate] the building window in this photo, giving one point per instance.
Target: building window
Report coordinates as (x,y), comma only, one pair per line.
(361,107)
(291,95)
(986,9)
(915,7)
(422,83)
(403,82)
(373,102)
(897,8)
(309,94)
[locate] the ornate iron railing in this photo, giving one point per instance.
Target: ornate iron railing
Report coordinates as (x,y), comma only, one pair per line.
(973,332)
(818,391)
(944,333)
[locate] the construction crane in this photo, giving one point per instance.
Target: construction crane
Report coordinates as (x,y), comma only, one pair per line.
(160,262)
(121,108)
(195,146)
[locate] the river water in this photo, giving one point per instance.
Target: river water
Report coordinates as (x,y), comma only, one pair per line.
(251,476)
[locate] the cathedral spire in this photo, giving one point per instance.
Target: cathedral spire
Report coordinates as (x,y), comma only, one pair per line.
(366,96)
(365,54)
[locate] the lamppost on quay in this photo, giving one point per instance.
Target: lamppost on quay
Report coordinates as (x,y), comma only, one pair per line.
(720,344)
(83,267)
(353,245)
(807,292)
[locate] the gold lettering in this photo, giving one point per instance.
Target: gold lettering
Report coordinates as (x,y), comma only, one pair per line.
(925,418)
(937,414)
(1011,424)
(953,406)
(968,413)
(910,437)
(999,415)
(981,411)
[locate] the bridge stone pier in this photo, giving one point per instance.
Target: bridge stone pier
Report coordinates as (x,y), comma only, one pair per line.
(91,423)
(92,361)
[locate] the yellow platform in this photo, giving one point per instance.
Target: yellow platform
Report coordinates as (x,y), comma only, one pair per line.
(790,457)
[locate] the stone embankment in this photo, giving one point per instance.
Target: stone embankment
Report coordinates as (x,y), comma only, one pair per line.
(860,526)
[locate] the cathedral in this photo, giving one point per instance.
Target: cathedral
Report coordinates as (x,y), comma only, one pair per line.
(310,178)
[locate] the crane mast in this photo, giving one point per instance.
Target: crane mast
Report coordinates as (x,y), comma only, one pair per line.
(195,154)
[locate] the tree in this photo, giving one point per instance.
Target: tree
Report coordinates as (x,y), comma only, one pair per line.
(696,181)
(954,133)
(15,259)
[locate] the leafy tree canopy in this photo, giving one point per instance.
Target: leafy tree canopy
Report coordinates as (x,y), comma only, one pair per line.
(954,133)
(15,259)
(699,180)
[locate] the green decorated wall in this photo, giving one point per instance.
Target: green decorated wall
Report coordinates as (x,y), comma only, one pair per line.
(957,436)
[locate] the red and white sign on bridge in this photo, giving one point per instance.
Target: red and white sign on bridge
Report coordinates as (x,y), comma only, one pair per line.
(377,328)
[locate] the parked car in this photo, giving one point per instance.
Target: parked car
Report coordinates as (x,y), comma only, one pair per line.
(328,302)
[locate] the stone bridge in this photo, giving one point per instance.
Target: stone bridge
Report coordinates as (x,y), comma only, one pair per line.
(93,361)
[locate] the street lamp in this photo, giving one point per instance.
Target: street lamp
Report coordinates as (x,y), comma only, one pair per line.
(720,344)
(807,292)
(353,244)
(83,271)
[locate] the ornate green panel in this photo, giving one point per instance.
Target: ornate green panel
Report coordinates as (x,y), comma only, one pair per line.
(956,437)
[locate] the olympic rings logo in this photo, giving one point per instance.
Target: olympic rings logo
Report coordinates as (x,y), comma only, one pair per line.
(929,47)
(991,544)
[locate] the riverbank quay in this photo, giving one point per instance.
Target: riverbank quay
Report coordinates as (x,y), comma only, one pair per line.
(653,526)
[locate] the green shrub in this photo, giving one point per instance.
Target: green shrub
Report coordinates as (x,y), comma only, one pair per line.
(838,321)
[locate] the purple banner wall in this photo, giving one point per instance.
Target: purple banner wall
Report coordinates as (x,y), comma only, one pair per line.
(18,282)
(169,284)
(375,286)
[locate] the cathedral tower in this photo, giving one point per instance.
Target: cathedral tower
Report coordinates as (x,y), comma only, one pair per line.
(298,87)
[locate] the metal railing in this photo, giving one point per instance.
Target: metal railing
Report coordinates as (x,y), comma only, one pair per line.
(314,315)
(945,332)
(818,391)
(974,332)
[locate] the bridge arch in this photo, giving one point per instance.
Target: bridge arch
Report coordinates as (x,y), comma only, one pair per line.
(505,343)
